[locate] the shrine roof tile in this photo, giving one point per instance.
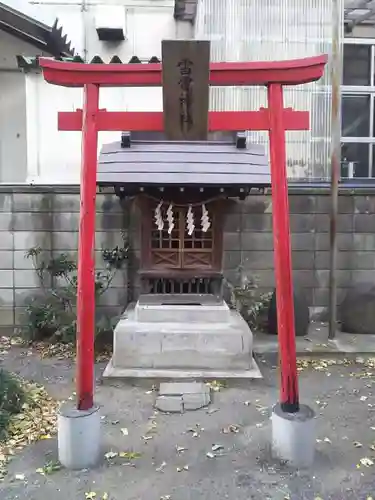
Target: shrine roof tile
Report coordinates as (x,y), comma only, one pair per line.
(28,63)
(201,163)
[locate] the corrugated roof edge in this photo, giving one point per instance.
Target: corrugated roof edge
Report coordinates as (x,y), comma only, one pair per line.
(29,63)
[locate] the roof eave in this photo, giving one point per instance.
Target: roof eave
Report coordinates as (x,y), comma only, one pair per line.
(48,39)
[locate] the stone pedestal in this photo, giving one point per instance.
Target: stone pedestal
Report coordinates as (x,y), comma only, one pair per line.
(78,437)
(293,436)
(160,338)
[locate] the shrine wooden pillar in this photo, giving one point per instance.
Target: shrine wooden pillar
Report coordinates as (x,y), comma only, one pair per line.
(289,399)
(86,251)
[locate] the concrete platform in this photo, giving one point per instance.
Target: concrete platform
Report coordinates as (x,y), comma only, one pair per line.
(197,341)
(168,374)
(316,343)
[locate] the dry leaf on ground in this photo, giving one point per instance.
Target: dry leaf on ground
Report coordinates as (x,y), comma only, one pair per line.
(216,385)
(36,421)
(184,468)
(161,467)
(130,455)
(367,462)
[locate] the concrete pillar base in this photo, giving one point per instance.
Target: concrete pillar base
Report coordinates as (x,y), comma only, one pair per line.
(293,436)
(78,437)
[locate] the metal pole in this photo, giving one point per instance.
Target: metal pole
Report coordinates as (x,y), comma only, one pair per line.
(335,158)
(289,399)
(86,245)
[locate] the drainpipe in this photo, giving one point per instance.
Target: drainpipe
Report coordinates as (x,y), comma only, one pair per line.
(336,72)
(84,9)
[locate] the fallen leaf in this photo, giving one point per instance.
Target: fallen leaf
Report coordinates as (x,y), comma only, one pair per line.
(110,454)
(37,420)
(90,495)
(357,444)
(210,455)
(180,449)
(184,468)
(47,436)
(363,398)
(161,467)
(231,428)
(147,438)
(367,462)
(212,410)
(49,468)
(165,497)
(327,440)
(125,431)
(105,496)
(130,455)
(217,447)
(216,385)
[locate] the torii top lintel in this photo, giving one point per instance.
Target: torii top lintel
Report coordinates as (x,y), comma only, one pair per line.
(293,72)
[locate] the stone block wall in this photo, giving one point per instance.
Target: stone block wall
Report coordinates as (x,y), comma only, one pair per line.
(252,248)
(49,217)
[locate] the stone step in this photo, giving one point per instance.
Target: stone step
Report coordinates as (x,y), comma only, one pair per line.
(219,313)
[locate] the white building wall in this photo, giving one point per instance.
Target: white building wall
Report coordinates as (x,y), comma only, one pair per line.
(13,136)
(53,157)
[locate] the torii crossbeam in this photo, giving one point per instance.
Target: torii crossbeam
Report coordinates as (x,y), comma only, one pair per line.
(275,119)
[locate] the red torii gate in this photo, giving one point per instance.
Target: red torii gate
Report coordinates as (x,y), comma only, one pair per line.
(276,119)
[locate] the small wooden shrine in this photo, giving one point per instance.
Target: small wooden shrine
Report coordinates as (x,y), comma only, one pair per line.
(182,191)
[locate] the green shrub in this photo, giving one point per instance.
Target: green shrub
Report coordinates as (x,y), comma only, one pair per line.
(52,314)
(12,397)
(252,305)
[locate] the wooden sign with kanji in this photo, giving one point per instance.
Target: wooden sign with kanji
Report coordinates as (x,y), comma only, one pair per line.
(185,74)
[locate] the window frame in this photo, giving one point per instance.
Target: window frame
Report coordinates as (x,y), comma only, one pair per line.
(369,90)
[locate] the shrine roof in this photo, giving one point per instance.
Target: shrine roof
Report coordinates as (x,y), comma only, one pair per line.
(167,163)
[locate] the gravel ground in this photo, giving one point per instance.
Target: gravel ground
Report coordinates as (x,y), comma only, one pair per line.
(174,465)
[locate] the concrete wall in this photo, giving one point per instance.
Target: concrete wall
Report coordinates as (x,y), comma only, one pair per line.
(32,216)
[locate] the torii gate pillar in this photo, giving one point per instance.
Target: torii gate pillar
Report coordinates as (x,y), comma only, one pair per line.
(292,423)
